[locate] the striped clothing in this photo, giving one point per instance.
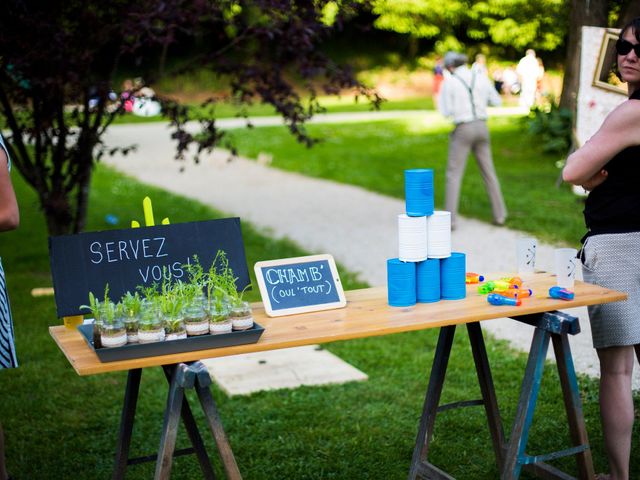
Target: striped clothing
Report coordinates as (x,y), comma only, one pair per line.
(7,348)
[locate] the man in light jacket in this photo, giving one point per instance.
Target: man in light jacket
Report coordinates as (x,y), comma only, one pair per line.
(464,98)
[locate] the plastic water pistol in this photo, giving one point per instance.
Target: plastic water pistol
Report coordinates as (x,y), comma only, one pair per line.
(514,282)
(561,293)
(517,292)
(474,278)
(497,299)
(494,286)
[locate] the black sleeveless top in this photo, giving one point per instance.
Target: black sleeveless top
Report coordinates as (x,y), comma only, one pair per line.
(614,205)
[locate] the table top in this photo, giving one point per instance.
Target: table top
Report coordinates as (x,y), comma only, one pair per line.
(366,314)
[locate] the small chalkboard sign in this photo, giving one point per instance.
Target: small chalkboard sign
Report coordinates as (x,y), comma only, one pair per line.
(300,284)
(127,258)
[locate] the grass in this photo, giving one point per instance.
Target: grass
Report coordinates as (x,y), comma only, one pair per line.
(332,105)
(59,425)
(374,154)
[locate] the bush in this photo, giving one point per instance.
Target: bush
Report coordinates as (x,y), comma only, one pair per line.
(551,127)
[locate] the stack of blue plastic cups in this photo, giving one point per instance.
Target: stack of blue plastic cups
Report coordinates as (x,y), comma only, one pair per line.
(428,281)
(418,189)
(452,277)
(401,283)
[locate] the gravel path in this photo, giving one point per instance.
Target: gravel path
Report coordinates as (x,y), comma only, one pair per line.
(356,226)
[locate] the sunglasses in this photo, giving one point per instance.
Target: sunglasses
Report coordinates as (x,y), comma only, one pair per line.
(623,47)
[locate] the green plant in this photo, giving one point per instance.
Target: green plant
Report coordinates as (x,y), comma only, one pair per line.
(552,126)
(193,289)
(174,324)
(221,281)
(131,304)
(93,307)
(105,311)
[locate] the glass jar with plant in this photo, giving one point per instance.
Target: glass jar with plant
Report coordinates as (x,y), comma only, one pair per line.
(224,280)
(95,308)
(112,332)
(170,304)
(218,314)
(131,307)
(195,316)
(150,326)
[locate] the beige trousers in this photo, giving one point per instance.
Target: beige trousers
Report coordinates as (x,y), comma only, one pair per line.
(466,137)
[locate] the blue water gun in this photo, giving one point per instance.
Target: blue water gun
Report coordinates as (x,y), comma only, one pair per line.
(497,299)
(561,293)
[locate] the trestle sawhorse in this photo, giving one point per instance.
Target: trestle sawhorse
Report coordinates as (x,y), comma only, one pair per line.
(510,455)
(181,377)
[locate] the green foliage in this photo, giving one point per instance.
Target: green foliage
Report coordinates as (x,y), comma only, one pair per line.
(221,279)
(551,127)
(132,304)
(518,24)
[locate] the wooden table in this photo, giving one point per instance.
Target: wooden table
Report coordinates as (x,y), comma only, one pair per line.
(366,314)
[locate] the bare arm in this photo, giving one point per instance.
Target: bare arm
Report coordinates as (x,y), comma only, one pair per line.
(9,213)
(621,129)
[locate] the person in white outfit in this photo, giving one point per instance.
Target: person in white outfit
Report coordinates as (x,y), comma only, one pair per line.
(464,98)
(528,70)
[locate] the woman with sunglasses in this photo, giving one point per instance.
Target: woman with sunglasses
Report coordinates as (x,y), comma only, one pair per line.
(608,166)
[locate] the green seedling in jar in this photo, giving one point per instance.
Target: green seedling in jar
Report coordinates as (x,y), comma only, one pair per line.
(223,280)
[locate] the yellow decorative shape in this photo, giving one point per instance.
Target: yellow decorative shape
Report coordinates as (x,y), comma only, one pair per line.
(149,221)
(148,212)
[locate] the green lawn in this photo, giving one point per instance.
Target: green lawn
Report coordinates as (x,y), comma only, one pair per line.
(59,425)
(331,104)
(373,155)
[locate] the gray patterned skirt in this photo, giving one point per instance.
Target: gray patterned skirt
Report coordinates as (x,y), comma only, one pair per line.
(612,261)
(7,347)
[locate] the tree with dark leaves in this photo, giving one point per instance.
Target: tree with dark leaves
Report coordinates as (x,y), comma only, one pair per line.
(59,60)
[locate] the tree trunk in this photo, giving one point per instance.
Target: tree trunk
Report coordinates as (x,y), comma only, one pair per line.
(82,199)
(57,212)
(583,13)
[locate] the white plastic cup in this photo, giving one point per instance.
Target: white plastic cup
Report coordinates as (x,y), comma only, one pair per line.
(526,254)
(565,267)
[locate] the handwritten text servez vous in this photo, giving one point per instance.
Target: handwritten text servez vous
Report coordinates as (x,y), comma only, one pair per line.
(132,250)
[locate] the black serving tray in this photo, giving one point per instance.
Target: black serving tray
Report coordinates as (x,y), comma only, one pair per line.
(189,344)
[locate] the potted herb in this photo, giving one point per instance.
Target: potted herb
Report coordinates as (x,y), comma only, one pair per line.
(112,331)
(131,307)
(150,326)
(218,314)
(194,312)
(94,308)
(170,306)
(224,280)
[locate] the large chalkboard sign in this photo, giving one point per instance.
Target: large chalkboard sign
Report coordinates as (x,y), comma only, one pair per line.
(300,284)
(126,258)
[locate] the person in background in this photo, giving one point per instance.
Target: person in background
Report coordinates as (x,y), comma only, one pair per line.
(608,167)
(511,84)
(9,220)
(464,98)
(438,77)
(528,71)
(480,64)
